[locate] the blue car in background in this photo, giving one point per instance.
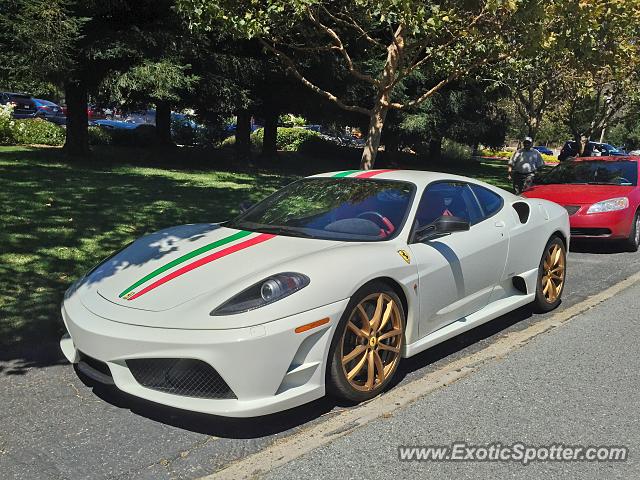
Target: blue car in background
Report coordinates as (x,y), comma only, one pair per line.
(50,111)
(544,150)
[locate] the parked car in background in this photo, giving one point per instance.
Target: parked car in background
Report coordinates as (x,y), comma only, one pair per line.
(601,195)
(23,104)
(594,149)
(544,150)
(94,112)
(50,111)
(114,124)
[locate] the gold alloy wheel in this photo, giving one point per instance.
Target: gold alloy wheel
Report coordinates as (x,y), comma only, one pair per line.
(553,276)
(371,342)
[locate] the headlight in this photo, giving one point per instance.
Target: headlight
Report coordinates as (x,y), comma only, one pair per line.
(263,293)
(610,205)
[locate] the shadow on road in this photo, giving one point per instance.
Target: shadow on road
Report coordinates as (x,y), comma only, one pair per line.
(246,428)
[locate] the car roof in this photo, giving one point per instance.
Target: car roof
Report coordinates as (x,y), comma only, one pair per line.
(610,158)
(420,178)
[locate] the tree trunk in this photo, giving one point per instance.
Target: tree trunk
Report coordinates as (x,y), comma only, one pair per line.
(243,135)
(380,108)
(374,132)
(77,141)
(435,149)
(163,122)
(270,137)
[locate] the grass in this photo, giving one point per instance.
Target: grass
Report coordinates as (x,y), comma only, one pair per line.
(59,218)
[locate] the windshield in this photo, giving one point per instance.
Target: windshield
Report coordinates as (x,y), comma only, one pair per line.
(593,173)
(333,209)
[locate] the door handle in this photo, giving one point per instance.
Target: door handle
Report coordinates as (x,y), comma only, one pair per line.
(500,224)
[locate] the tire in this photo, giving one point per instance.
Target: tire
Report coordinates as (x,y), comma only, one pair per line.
(549,288)
(633,242)
(351,352)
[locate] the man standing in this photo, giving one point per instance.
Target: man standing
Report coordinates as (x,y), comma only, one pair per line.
(523,164)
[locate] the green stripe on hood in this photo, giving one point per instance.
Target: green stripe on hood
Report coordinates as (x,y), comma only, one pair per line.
(185,257)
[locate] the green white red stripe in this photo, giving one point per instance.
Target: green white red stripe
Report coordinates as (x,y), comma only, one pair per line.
(131,294)
(362,173)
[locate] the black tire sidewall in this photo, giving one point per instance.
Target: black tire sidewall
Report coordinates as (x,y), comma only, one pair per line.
(336,382)
(632,246)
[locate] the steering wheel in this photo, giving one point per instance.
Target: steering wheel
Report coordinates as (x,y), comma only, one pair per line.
(387,227)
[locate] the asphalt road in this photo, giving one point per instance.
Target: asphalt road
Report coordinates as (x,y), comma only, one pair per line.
(54,426)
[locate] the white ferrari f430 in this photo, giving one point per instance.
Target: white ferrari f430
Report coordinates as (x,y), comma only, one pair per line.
(324,286)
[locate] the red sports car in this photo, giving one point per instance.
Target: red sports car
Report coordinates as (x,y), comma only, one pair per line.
(601,195)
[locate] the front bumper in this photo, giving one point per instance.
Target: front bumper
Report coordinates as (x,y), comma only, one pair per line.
(608,225)
(268,367)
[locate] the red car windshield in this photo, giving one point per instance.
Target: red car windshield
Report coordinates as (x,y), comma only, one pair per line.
(593,172)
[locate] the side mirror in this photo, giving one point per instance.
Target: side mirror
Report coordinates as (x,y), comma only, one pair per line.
(443,225)
(244,206)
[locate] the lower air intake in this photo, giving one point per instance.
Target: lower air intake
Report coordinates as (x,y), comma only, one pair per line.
(180,376)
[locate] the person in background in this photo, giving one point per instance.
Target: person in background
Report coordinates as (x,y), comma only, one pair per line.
(523,164)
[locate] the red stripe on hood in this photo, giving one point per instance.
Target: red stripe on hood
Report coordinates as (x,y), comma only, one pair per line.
(203,261)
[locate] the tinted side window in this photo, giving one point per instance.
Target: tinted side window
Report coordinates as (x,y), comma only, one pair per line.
(489,201)
(447,198)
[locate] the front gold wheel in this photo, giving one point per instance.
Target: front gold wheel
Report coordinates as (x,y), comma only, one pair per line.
(371,342)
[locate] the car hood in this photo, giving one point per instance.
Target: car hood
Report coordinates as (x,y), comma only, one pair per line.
(577,194)
(168,268)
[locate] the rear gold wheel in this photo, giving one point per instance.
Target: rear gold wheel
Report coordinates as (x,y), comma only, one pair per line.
(551,275)
(552,280)
(367,346)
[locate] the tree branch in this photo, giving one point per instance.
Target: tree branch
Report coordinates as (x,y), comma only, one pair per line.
(352,23)
(453,76)
(448,43)
(328,95)
(343,51)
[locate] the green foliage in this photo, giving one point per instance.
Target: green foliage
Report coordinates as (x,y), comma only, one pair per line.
(291,120)
(228,142)
(99,136)
(152,80)
(6,125)
(454,151)
(142,136)
(316,146)
(289,139)
(31,131)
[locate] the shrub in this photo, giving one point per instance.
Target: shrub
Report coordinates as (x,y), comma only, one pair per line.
(141,136)
(6,125)
(318,146)
(454,151)
(229,141)
(289,139)
(36,131)
(99,136)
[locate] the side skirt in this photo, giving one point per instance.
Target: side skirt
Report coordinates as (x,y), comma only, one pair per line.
(488,313)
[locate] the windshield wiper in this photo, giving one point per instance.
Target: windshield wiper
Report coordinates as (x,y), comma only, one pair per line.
(283,231)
